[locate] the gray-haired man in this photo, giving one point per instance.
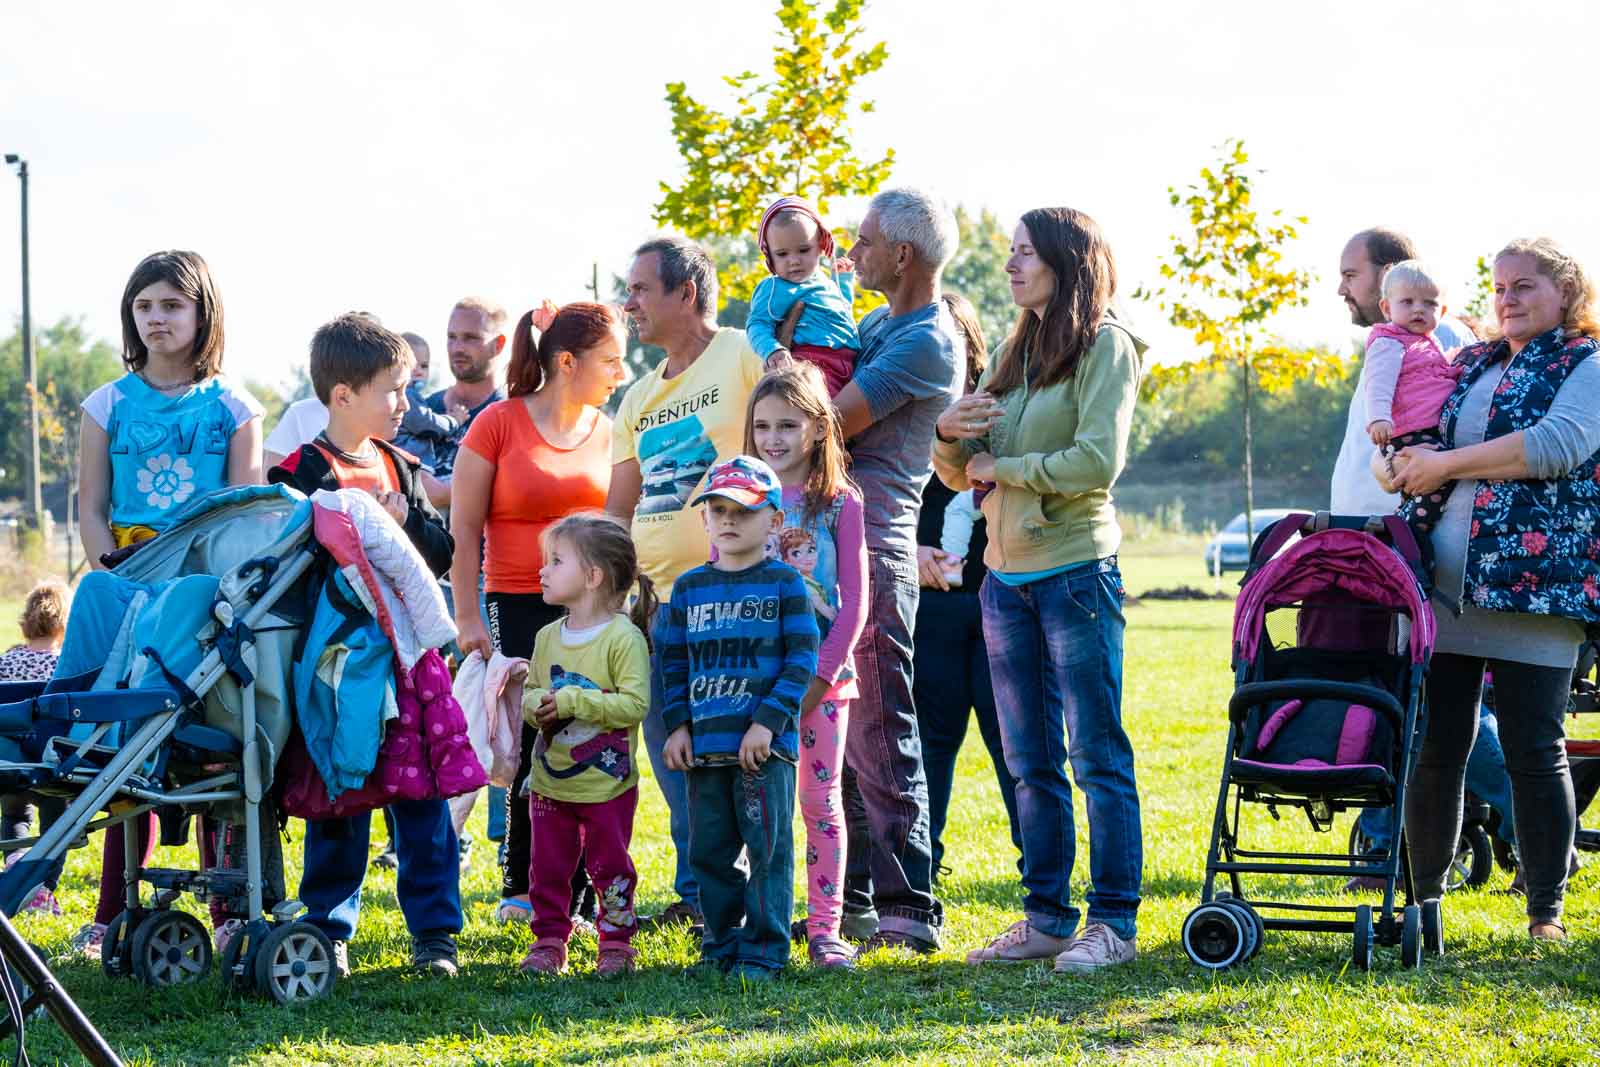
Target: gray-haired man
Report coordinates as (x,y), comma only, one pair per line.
(907,372)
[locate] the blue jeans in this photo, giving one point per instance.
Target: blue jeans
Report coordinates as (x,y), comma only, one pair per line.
(747,917)
(497,814)
(427,883)
(674,786)
(952,686)
(1486,779)
(1055,653)
(887,808)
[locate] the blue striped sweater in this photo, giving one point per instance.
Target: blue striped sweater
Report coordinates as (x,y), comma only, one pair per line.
(739,647)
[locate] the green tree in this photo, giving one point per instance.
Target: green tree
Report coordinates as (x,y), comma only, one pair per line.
(70,366)
(1224,282)
(978,271)
(787,133)
(1480,292)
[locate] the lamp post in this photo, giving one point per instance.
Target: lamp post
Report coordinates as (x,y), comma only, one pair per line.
(35,489)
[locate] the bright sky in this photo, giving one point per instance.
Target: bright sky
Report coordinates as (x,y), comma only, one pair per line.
(391,157)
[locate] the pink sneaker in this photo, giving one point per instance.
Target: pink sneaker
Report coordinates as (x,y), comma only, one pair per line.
(1020,943)
(616,960)
(1097,947)
(42,901)
(547,956)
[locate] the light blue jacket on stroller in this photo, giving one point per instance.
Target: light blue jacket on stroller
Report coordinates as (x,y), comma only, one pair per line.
(174,689)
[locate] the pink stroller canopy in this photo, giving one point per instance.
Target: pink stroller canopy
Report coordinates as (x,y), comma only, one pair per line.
(1333,566)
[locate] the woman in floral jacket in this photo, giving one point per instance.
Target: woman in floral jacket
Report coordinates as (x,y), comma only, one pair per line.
(1516,565)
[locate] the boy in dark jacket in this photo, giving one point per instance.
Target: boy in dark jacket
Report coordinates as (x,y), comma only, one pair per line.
(737,652)
(360,371)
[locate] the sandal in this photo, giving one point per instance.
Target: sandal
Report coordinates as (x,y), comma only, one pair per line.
(1548,930)
(831,953)
(512,910)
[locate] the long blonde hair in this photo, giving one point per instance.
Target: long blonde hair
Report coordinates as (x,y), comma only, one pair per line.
(801,387)
(1577,288)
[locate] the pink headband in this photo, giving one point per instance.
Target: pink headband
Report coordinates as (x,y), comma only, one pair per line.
(803,206)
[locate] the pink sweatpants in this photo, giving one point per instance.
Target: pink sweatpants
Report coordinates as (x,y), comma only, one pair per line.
(562,831)
(822,733)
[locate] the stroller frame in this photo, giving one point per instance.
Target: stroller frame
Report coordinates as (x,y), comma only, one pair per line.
(117,783)
(1228,927)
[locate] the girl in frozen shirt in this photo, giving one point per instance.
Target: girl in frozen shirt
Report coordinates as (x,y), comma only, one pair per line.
(793,427)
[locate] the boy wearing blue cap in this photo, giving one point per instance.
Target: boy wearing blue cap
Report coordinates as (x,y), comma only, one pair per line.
(739,648)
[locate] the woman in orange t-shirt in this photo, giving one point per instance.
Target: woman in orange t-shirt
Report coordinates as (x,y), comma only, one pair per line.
(529,460)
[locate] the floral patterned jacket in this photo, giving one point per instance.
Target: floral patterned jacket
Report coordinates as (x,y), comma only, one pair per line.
(1533,546)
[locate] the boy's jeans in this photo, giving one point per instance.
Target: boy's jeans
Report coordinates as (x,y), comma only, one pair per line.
(427,884)
(1055,652)
(747,918)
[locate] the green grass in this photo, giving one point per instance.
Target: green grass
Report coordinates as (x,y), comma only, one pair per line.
(1496,998)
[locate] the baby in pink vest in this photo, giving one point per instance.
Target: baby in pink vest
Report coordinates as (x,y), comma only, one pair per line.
(1408,376)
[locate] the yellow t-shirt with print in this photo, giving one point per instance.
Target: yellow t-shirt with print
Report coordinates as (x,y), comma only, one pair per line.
(591,753)
(677,428)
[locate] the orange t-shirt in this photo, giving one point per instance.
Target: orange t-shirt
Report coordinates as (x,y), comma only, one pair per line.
(377,475)
(535,483)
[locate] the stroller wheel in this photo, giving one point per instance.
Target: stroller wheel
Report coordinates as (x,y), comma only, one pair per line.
(1473,861)
(116,947)
(1360,843)
(1432,928)
(170,948)
(1255,929)
(295,963)
(1411,936)
(237,967)
(1214,936)
(1361,943)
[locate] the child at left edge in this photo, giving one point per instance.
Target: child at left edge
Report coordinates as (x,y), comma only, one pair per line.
(739,649)
(360,371)
(793,240)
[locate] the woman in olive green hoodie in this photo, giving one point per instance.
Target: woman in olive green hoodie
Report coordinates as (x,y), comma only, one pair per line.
(1046,435)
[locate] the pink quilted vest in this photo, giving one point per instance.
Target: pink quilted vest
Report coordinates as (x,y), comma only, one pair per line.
(426,754)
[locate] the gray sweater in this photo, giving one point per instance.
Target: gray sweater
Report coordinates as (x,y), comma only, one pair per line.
(1568,434)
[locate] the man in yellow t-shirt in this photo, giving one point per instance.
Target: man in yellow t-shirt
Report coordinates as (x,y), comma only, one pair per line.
(674,423)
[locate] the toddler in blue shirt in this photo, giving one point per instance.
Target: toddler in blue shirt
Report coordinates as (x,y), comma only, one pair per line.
(793,241)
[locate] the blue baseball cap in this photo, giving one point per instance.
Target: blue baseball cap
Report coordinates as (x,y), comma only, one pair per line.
(744,480)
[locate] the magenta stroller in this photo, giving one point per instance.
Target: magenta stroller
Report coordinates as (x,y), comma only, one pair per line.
(1324,719)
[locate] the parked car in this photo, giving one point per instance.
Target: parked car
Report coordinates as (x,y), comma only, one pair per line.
(1229,550)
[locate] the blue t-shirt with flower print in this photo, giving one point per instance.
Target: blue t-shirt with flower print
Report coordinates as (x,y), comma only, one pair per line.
(165,450)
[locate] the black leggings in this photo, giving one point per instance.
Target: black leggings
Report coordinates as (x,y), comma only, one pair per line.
(1531,706)
(1422,513)
(515,619)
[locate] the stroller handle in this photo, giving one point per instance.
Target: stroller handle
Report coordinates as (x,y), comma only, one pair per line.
(1250,694)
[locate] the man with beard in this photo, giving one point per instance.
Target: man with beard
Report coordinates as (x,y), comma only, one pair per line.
(1361,267)
(476,336)
(1355,491)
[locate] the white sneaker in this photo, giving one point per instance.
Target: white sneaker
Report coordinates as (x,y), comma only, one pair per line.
(1098,946)
(225,933)
(86,942)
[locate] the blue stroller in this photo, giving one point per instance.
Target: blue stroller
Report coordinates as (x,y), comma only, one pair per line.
(173,694)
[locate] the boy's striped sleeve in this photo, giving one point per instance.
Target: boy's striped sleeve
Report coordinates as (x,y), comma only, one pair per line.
(780,711)
(674,653)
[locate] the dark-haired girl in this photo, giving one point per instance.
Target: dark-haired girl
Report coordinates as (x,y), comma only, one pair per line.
(529,460)
(171,429)
(1045,435)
